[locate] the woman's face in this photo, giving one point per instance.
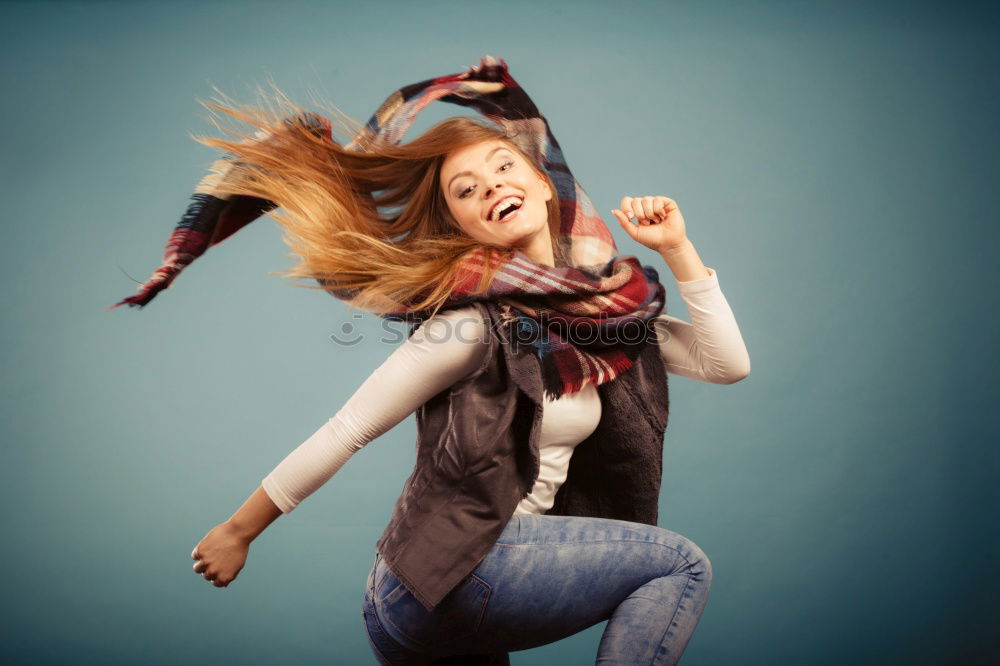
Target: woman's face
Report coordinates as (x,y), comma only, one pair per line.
(477,178)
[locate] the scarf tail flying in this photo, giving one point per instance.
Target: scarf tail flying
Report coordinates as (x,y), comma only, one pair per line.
(605,287)
(487,87)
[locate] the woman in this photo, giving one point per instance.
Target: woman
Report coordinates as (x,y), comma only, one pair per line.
(531,512)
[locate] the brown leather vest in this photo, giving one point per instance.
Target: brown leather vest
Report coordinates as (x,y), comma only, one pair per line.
(477,457)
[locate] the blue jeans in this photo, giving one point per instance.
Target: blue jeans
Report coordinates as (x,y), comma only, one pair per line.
(546,578)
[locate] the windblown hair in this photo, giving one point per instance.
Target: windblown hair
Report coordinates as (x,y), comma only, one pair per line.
(372,222)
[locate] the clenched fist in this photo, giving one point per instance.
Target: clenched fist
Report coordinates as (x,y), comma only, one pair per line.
(660,223)
(220,555)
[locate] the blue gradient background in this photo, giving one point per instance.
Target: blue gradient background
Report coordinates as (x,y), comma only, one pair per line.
(833,163)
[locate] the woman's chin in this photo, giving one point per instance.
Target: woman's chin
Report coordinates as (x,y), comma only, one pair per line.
(516,231)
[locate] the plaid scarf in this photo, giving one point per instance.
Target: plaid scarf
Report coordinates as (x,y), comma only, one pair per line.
(581,319)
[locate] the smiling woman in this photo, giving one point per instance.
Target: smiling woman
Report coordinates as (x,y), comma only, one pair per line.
(497,543)
(496,196)
(442,186)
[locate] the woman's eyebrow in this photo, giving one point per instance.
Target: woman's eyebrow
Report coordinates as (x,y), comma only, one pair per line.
(469,173)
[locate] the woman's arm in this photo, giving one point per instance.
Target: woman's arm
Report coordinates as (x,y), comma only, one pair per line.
(222,553)
(254,516)
(445,349)
(711,348)
(684,262)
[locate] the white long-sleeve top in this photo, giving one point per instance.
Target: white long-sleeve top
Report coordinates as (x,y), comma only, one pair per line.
(448,348)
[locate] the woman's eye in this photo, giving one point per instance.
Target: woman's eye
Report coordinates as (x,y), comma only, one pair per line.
(466,191)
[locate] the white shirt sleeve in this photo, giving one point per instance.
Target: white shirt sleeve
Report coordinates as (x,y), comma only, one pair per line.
(447,348)
(710,348)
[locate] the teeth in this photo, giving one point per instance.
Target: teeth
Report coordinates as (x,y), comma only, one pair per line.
(503,203)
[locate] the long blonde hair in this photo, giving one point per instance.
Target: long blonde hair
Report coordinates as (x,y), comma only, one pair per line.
(373,223)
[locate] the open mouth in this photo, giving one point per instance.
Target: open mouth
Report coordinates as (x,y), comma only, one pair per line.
(506,209)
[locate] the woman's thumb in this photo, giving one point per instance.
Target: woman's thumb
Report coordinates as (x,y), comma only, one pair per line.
(629,227)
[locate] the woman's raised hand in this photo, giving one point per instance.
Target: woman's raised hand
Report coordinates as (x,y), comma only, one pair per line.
(220,555)
(660,223)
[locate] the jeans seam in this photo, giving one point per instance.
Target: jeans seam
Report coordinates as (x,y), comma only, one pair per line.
(670,623)
(586,541)
(393,595)
(375,644)
(486,602)
(478,621)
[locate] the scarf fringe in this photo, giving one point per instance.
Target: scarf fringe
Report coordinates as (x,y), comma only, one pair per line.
(556,384)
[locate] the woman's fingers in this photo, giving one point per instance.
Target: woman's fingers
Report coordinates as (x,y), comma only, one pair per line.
(632,207)
(220,555)
(200,566)
(666,204)
(624,221)
(647,210)
(641,209)
(212,576)
(661,214)
(626,206)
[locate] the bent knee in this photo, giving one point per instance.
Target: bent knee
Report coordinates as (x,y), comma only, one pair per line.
(697,560)
(700,562)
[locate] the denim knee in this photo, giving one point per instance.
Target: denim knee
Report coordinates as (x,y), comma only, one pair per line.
(700,561)
(696,559)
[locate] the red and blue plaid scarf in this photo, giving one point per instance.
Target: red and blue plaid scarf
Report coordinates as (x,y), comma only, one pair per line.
(576,316)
